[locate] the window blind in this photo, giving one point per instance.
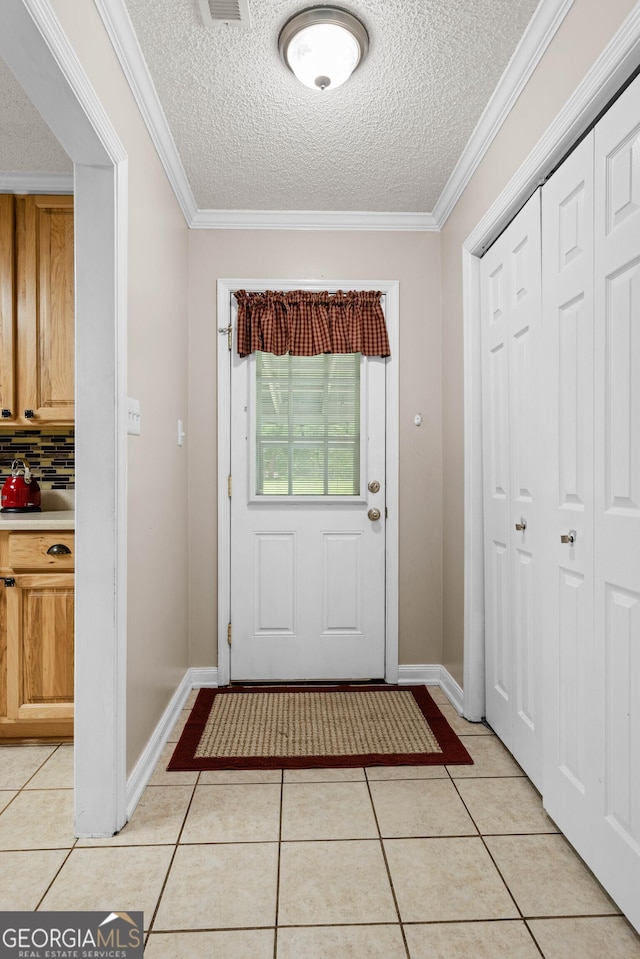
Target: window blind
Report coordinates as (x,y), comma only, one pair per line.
(307,425)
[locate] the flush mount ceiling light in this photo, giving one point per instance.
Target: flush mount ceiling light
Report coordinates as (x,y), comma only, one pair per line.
(323,46)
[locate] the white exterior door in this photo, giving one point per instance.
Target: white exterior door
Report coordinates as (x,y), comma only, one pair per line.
(510,288)
(567,411)
(617,498)
(307,553)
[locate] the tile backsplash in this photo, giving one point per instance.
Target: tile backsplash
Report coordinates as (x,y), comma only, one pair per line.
(51,456)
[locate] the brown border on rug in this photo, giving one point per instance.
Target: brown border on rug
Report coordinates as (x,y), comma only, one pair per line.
(184,758)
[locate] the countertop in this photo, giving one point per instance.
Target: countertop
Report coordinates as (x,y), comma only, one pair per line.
(58,512)
(47,519)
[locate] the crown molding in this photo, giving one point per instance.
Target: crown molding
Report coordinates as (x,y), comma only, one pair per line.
(118,25)
(310,220)
(36,183)
(541,30)
(125,43)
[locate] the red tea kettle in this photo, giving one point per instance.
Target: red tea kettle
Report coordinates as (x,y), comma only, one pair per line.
(20,493)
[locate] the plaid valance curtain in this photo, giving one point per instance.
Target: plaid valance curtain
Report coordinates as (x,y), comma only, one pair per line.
(306,323)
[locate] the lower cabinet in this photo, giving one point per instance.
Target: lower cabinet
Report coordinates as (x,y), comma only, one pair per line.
(36,634)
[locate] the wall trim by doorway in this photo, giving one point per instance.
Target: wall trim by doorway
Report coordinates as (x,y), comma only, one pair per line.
(616,64)
(391,291)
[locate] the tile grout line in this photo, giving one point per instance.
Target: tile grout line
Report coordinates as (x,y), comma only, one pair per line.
(57,873)
(171,861)
(499,871)
(18,792)
(386,866)
(275,924)
(75,839)
(56,747)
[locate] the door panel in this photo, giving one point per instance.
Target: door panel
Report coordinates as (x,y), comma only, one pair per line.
(617,497)
(341,582)
(525,639)
(40,649)
(510,285)
(46,308)
(567,578)
(622,389)
(274,566)
(574,332)
(7,303)
(569,733)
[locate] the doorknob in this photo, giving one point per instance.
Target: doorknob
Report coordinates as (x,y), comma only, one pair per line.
(522,525)
(373,515)
(569,537)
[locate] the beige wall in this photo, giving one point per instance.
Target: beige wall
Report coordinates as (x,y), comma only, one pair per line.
(414,260)
(588,27)
(157,376)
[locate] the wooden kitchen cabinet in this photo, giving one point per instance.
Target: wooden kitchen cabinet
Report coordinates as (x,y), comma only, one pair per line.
(37,304)
(36,635)
(7,302)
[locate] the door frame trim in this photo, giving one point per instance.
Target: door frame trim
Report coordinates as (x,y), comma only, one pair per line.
(391,290)
(615,65)
(37,50)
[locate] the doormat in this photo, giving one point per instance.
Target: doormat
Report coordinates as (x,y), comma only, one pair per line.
(298,727)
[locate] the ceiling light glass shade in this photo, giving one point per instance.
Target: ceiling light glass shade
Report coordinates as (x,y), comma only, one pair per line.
(323,46)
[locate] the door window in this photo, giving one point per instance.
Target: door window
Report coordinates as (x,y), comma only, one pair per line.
(306,426)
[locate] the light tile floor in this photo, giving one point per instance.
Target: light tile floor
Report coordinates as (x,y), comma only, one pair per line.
(407,862)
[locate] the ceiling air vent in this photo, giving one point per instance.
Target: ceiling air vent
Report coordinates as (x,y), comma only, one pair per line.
(235,13)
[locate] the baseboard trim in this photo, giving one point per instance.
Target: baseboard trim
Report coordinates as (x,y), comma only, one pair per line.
(204,676)
(143,770)
(433,676)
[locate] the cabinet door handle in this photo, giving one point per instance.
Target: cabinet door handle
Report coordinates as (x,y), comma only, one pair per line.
(6,414)
(58,549)
(28,414)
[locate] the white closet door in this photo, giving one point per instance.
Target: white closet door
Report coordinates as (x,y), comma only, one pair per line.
(567,579)
(496,483)
(510,345)
(617,498)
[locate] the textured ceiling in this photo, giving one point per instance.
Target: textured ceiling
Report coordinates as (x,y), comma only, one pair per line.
(251,137)
(27,145)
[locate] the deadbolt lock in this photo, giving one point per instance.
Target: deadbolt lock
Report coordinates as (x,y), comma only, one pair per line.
(374,486)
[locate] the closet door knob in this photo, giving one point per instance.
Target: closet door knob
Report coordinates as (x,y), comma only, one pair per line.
(522,525)
(569,537)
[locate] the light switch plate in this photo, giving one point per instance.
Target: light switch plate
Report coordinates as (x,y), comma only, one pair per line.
(133,416)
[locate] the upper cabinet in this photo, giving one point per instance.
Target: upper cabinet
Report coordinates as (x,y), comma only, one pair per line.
(7,303)
(37,311)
